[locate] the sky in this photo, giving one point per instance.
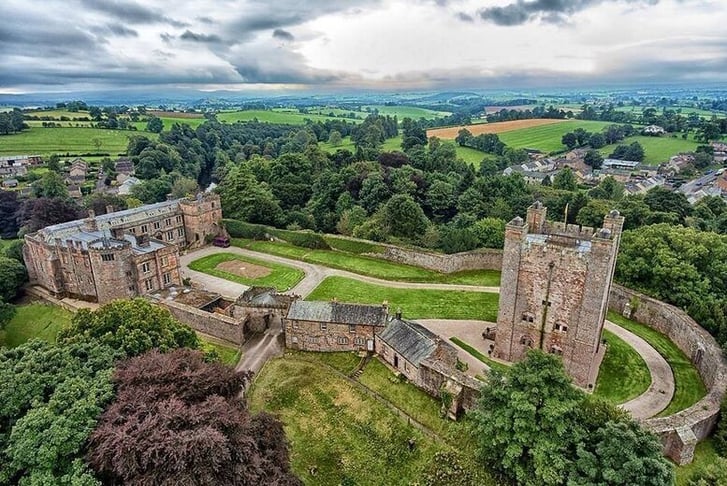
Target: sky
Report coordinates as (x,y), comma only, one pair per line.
(332,45)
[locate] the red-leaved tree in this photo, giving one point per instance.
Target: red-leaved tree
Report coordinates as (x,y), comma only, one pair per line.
(177,420)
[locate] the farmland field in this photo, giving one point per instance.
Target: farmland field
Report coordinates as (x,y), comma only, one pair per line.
(547,138)
(168,121)
(45,141)
(402,112)
(499,127)
(291,117)
(656,149)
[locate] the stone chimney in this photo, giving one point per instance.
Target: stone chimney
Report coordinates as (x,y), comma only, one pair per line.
(398,313)
(142,240)
(109,209)
(90,221)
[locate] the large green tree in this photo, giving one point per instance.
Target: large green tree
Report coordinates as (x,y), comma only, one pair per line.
(130,326)
(244,198)
(12,277)
(404,217)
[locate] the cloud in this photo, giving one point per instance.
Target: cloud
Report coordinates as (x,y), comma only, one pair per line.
(122,31)
(464,17)
(188,35)
(548,11)
(131,12)
(283,35)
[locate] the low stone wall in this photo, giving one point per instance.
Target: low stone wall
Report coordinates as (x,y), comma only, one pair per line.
(435,376)
(212,323)
(681,432)
(482,259)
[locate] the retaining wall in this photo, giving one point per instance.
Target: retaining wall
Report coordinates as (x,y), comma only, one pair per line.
(212,323)
(482,259)
(681,432)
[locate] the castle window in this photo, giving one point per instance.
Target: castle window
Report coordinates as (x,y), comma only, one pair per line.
(324,326)
(157,225)
(556,350)
(528,317)
(165,260)
(526,341)
(145,267)
(342,340)
(107,257)
(167,278)
(149,284)
(359,341)
(144,228)
(352,328)
(561,326)
(180,232)
(179,219)
(170,235)
(168,222)
(132,231)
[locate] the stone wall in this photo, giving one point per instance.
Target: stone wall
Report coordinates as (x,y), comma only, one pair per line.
(308,336)
(212,323)
(482,259)
(435,376)
(680,432)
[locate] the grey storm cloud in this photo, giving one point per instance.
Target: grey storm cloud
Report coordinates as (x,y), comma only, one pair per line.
(122,31)
(464,17)
(131,12)
(283,35)
(188,35)
(550,11)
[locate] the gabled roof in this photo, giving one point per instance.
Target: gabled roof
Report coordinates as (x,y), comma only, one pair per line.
(411,340)
(338,313)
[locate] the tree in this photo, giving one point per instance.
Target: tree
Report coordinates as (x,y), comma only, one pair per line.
(189,414)
(154,124)
(9,206)
(463,137)
(527,422)
(51,185)
(334,138)
(12,277)
(569,140)
(183,187)
(131,327)
(404,217)
(621,453)
(490,232)
(712,474)
(596,141)
(35,214)
(244,198)
(594,159)
(720,434)
(565,180)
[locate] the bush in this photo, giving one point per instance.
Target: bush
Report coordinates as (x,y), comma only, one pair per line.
(241,229)
(303,239)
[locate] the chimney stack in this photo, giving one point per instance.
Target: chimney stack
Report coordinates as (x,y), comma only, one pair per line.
(91,221)
(109,209)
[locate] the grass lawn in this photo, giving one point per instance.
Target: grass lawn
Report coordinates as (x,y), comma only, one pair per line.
(623,374)
(414,303)
(547,138)
(45,141)
(348,436)
(656,149)
(689,388)
(704,454)
(282,277)
(495,365)
(228,353)
(40,321)
(370,266)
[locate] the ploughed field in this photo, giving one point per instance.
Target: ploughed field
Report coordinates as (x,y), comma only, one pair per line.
(499,127)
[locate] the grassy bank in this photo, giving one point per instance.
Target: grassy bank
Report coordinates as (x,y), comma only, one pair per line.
(414,303)
(623,374)
(42,321)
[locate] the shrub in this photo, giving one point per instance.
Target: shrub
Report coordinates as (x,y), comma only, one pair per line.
(241,229)
(303,239)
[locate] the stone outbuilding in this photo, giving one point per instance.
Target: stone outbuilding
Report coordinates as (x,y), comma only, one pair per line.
(262,308)
(333,326)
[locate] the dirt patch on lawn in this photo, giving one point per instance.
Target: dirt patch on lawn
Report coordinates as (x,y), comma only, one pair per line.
(499,127)
(244,269)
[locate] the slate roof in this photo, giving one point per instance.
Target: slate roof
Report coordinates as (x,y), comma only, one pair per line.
(410,339)
(338,313)
(262,297)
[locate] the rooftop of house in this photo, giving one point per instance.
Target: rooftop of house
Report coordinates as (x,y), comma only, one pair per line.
(620,163)
(338,313)
(263,297)
(411,340)
(108,221)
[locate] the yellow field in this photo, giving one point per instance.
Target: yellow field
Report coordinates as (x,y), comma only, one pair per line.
(499,127)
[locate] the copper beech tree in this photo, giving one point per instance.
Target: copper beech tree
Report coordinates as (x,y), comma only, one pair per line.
(178,420)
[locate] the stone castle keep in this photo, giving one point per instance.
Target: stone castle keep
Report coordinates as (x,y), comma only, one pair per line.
(554,290)
(121,254)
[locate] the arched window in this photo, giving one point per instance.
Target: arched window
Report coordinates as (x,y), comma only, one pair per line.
(526,341)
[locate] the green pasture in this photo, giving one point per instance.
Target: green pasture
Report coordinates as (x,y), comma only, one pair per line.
(290,117)
(371,266)
(623,374)
(401,112)
(75,140)
(414,303)
(547,138)
(282,277)
(338,433)
(689,388)
(656,149)
(59,113)
(42,321)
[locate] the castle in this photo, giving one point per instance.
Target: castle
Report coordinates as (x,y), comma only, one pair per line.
(554,290)
(120,254)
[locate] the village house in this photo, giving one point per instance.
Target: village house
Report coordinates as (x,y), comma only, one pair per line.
(16,165)
(641,186)
(10,183)
(333,326)
(125,188)
(720,151)
(77,172)
(124,168)
(653,130)
(122,254)
(617,164)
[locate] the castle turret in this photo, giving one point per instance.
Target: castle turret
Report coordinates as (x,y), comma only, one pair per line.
(202,218)
(113,268)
